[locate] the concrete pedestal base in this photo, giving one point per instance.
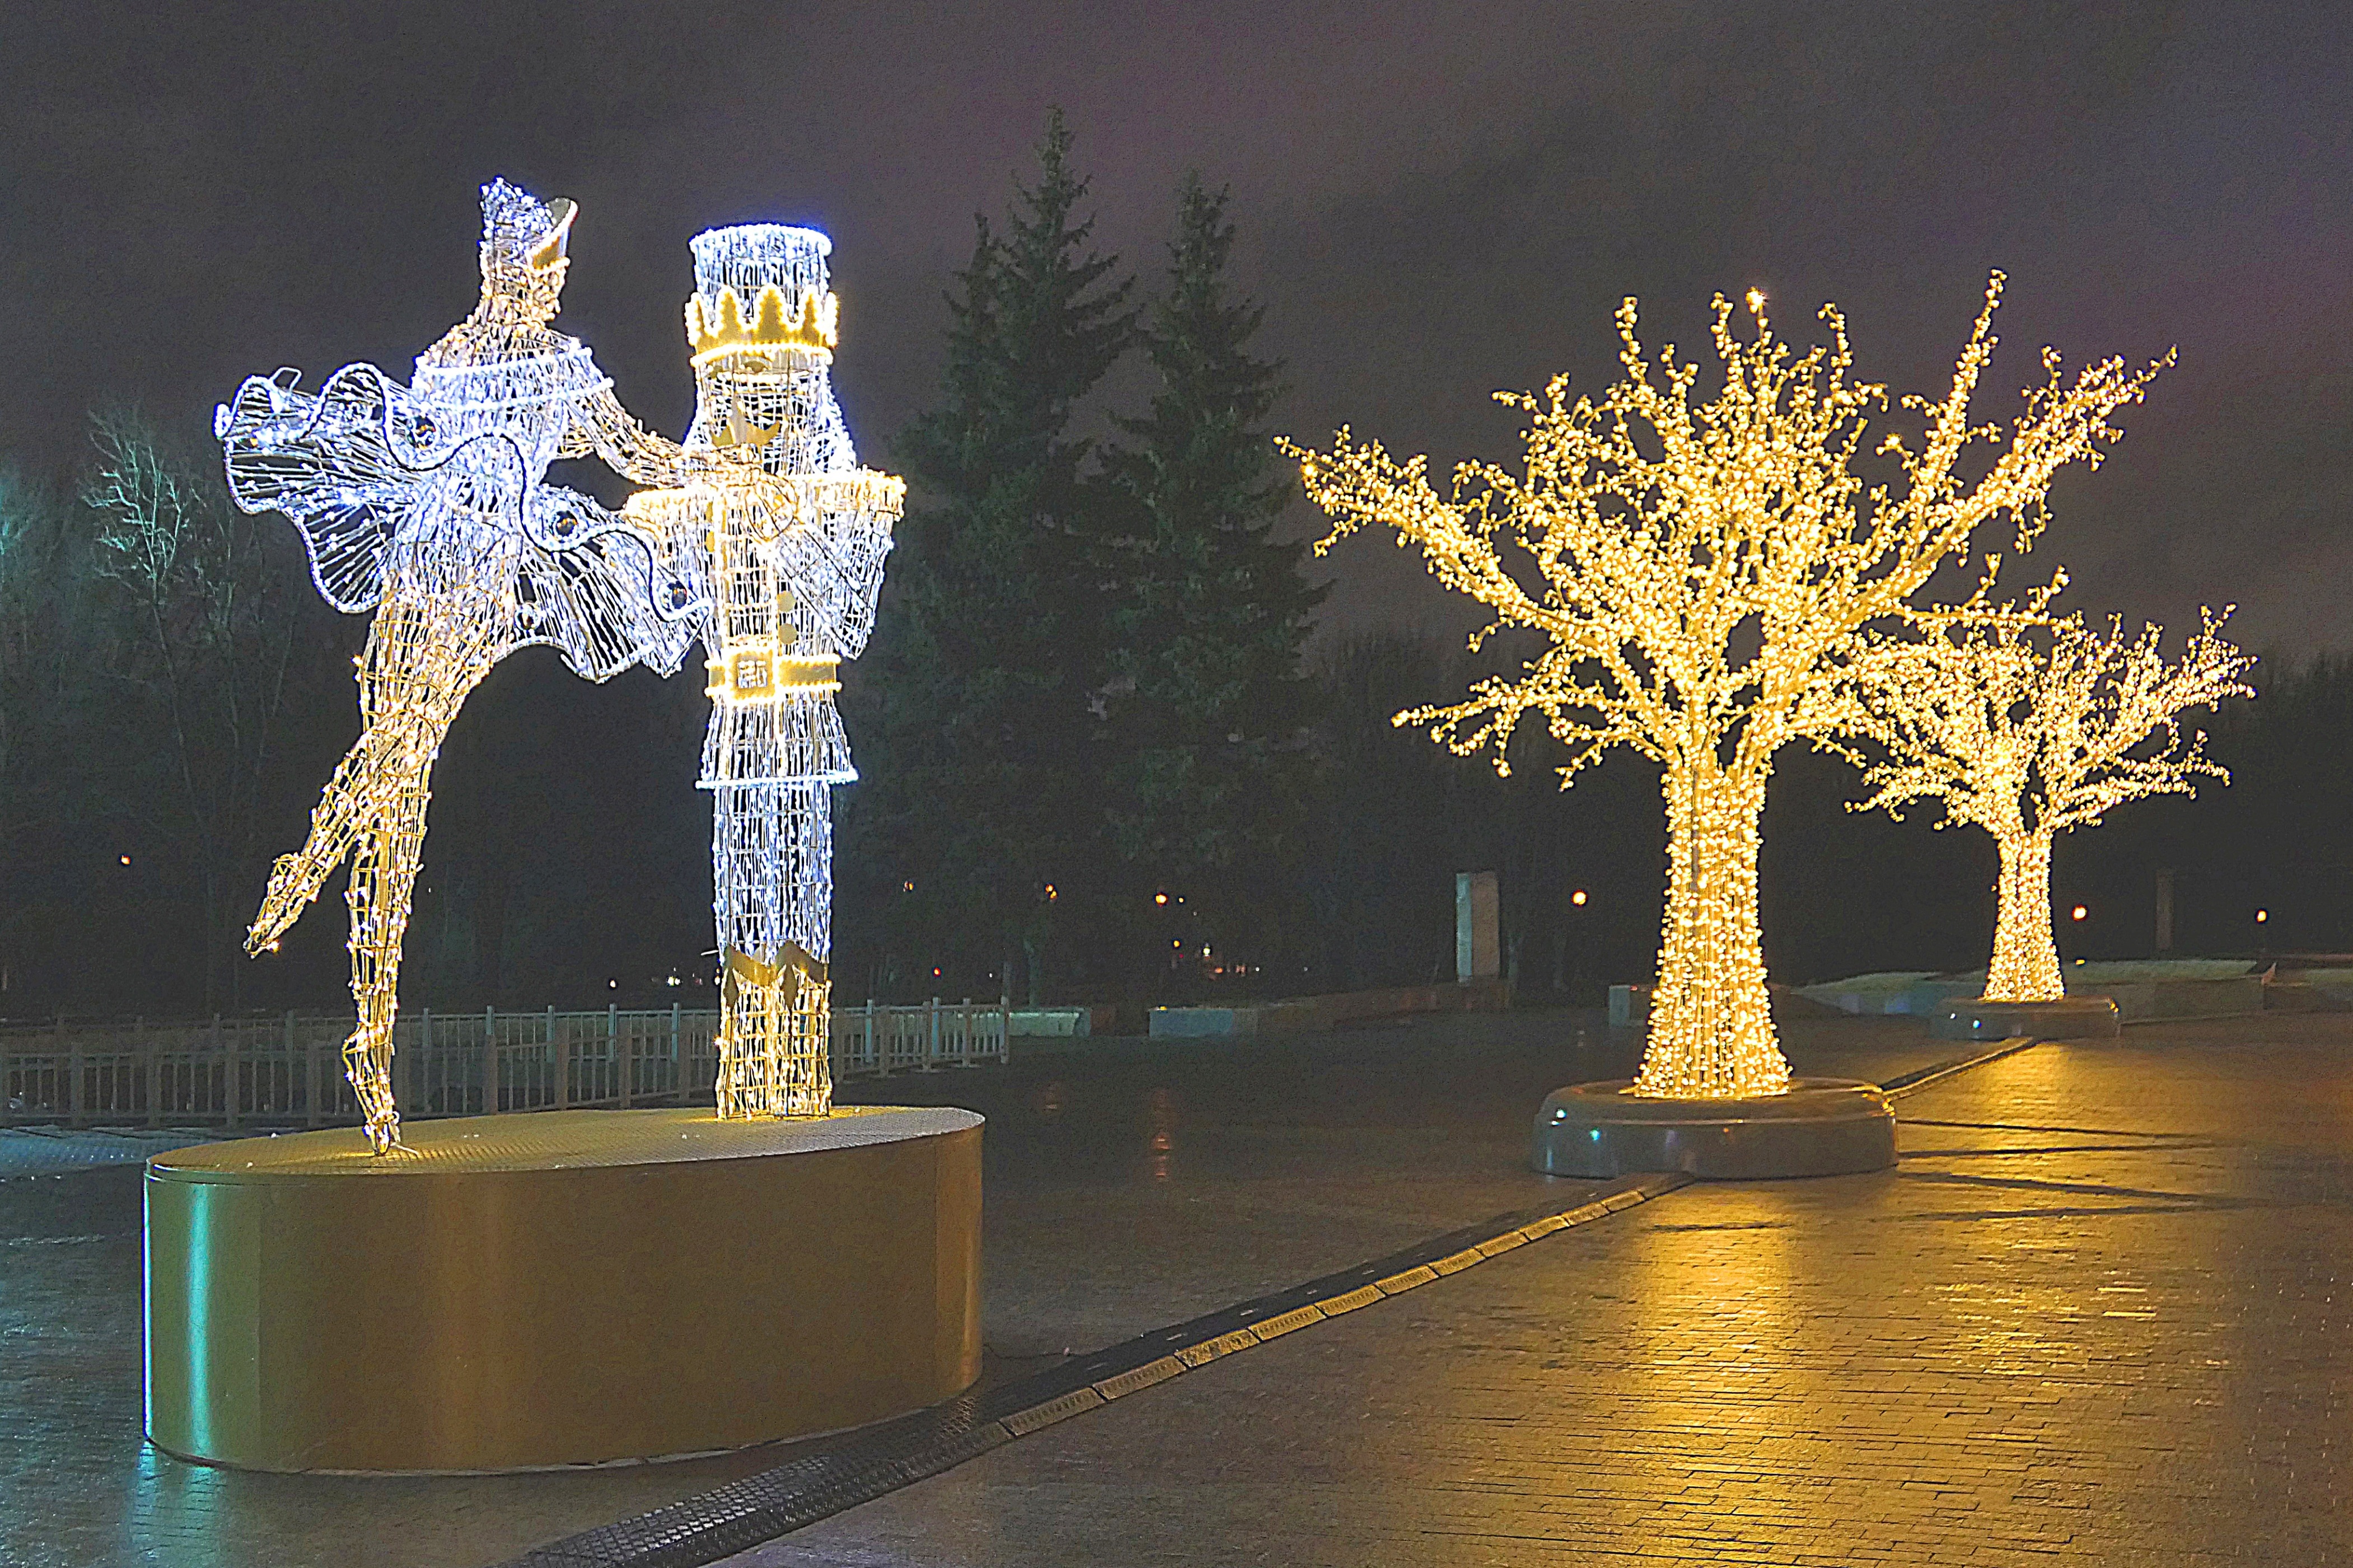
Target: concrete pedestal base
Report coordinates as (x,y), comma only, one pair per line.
(1822,1127)
(2072,1018)
(564,1287)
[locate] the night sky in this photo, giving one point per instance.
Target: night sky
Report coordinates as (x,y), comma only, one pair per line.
(1435,201)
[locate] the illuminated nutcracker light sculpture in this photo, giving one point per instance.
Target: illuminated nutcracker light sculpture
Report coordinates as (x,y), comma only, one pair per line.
(425,505)
(278,1332)
(791,535)
(1700,570)
(2029,731)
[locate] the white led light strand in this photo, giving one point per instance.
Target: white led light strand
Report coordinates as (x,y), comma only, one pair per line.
(425,505)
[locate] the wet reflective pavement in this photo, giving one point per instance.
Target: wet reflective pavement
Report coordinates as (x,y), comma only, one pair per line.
(2098,1314)
(59,1151)
(1130,1186)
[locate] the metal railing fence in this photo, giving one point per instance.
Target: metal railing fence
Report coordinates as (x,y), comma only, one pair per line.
(289,1071)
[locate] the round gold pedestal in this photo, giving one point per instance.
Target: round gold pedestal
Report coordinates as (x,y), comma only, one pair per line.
(558,1287)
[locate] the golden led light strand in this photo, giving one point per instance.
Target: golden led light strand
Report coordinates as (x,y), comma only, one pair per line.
(2030,731)
(1652,529)
(792,534)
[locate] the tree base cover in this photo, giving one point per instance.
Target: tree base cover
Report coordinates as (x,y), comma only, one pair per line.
(2068,1018)
(1817,1127)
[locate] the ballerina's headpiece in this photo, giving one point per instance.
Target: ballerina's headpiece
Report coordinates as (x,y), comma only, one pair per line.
(522,234)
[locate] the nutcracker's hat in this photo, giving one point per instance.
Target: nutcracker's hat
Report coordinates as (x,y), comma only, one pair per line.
(759,289)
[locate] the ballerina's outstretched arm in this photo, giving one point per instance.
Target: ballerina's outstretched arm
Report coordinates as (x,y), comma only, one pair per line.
(605,428)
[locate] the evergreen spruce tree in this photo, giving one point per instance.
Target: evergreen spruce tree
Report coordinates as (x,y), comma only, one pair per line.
(984,692)
(1210,781)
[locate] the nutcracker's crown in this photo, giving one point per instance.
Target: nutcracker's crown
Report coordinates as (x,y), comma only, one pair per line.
(760,287)
(772,322)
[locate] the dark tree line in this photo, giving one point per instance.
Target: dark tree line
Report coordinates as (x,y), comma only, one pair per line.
(1106,757)
(156,646)
(1084,697)
(2278,840)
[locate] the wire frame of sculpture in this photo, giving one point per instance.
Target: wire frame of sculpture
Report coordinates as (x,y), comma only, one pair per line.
(425,504)
(1700,570)
(794,535)
(2030,731)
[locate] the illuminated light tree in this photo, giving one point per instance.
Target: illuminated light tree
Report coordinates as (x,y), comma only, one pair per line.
(2030,732)
(1700,570)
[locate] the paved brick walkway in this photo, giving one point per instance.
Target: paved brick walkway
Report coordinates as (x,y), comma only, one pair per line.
(1126,1187)
(2091,1318)
(2098,1315)
(58,1150)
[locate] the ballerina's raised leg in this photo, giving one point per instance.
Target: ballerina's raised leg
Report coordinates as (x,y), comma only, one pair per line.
(425,655)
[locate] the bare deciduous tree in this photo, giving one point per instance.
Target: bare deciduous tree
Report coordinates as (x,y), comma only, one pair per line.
(211,599)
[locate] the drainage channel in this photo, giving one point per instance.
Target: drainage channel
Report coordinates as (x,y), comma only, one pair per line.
(866,1465)
(1896,1087)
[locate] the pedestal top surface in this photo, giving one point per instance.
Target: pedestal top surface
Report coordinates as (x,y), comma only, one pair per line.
(1806,1099)
(553,1140)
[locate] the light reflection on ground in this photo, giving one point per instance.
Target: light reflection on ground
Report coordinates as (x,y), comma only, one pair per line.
(1128,1186)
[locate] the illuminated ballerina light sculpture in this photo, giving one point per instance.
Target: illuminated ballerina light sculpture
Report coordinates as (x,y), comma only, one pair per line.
(791,535)
(425,504)
(2029,732)
(1700,570)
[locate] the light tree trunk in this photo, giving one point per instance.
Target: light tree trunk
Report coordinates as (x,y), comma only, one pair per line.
(2025,966)
(1711,1020)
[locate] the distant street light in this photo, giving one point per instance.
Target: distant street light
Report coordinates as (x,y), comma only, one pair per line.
(1577,897)
(2078,913)
(2261,915)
